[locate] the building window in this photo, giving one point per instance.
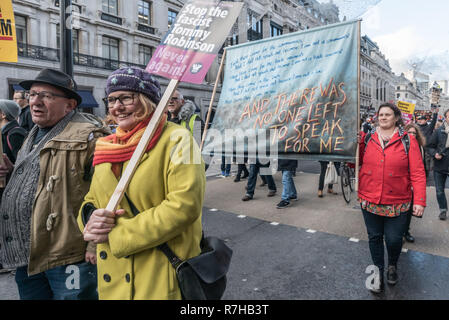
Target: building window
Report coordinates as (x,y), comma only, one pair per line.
(57,3)
(75,39)
(276,30)
(398,95)
(171,17)
(233,40)
(399,87)
(21,29)
(110,6)
(145,53)
(144,12)
(110,48)
(255,32)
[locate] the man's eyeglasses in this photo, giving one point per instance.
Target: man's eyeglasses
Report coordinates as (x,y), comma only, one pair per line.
(174,98)
(124,100)
(44,95)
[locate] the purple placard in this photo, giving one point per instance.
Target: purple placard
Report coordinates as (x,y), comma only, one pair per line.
(178,64)
(191,45)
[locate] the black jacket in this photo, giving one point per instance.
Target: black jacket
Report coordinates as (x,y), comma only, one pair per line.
(25,120)
(287,165)
(427,129)
(437,144)
(12,139)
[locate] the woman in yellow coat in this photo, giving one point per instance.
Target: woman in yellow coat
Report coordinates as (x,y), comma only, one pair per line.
(166,193)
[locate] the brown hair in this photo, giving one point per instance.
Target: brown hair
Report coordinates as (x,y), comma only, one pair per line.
(419,135)
(397,113)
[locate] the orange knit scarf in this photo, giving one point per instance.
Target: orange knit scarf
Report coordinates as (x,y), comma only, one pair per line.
(119,147)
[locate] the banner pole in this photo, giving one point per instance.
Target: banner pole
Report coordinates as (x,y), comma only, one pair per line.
(357,160)
(141,147)
(212,100)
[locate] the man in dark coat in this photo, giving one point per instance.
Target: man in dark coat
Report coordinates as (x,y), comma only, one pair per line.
(25,120)
(427,129)
(438,148)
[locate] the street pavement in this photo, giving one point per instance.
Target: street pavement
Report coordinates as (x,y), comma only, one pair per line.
(315,249)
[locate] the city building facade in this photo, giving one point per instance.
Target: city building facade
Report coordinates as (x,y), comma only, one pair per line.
(377,81)
(407,90)
(109,34)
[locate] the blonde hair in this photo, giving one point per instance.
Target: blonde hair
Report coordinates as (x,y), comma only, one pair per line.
(148,106)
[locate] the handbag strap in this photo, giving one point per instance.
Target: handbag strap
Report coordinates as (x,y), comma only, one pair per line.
(172,257)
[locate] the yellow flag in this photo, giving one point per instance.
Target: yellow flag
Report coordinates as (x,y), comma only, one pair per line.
(8,41)
(407,106)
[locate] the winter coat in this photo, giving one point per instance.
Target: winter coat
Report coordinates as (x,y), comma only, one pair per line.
(287,165)
(12,139)
(437,144)
(168,193)
(25,119)
(427,129)
(387,176)
(63,180)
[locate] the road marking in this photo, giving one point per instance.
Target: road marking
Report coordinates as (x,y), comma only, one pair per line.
(311,231)
(241,216)
(274,223)
(404,250)
(354,240)
(213,210)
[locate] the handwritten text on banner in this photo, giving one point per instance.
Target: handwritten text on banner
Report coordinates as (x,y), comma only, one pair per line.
(301,85)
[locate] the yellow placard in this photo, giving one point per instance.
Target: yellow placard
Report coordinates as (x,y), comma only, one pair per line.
(406,107)
(8,41)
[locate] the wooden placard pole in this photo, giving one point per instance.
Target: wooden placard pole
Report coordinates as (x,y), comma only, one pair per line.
(357,160)
(2,180)
(141,147)
(212,99)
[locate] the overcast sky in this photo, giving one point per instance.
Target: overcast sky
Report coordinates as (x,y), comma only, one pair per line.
(406,31)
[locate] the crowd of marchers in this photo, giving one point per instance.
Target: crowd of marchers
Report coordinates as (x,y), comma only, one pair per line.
(61,167)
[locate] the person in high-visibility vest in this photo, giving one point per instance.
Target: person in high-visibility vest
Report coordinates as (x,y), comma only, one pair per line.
(183,113)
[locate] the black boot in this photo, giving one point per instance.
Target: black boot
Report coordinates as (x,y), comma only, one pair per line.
(408,237)
(392,275)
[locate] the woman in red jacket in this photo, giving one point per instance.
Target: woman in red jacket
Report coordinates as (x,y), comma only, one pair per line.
(391,175)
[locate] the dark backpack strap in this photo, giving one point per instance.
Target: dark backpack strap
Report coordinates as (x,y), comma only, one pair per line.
(406,143)
(368,137)
(18,130)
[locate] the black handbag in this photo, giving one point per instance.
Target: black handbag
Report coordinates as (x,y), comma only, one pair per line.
(202,277)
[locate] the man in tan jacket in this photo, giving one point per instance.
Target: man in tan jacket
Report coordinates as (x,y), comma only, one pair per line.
(38,230)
